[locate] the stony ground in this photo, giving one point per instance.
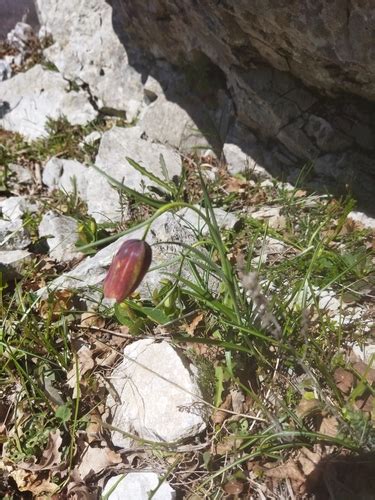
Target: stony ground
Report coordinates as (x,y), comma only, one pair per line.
(242,367)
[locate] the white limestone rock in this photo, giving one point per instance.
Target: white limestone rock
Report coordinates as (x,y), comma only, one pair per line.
(365,352)
(65,174)
(138,486)
(15,207)
(30,98)
(23,174)
(363,219)
(116,145)
(62,234)
(21,36)
(239,162)
(88,50)
(242,153)
(169,123)
(92,138)
(159,393)
(13,236)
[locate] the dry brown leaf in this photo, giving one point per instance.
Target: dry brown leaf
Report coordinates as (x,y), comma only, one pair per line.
(51,458)
(348,227)
(288,470)
(78,490)
(89,318)
(94,428)
(30,481)
(108,359)
(62,301)
(329,426)
(219,415)
(85,363)
(260,196)
(344,380)
(309,460)
(308,407)
(234,487)
(235,185)
(238,400)
(228,444)
(190,329)
(95,460)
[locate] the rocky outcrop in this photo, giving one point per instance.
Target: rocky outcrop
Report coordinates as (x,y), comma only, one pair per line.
(328,44)
(301,75)
(281,88)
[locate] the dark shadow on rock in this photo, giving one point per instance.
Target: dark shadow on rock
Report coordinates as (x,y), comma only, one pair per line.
(343,478)
(4,108)
(322,143)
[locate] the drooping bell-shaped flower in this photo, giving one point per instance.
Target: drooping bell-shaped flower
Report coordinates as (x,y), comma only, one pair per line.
(127,270)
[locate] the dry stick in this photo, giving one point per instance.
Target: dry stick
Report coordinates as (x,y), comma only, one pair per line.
(144,367)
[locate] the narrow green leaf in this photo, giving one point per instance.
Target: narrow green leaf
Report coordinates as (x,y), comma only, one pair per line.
(150,175)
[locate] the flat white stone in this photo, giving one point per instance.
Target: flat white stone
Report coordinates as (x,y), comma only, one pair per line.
(62,234)
(266,212)
(38,94)
(160,397)
(138,486)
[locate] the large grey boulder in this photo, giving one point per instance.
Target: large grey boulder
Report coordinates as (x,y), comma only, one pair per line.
(160,399)
(325,44)
(30,98)
(301,76)
(104,201)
